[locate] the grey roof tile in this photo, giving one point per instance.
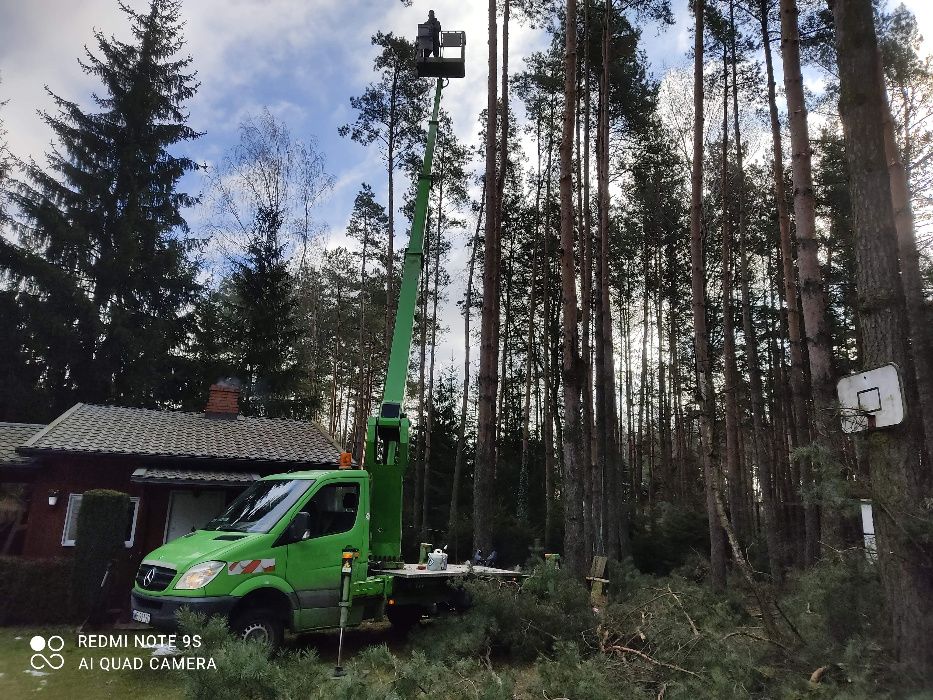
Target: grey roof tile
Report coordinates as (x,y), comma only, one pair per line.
(114,430)
(12,435)
(191,476)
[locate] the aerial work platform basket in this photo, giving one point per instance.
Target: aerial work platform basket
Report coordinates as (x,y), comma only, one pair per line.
(450,63)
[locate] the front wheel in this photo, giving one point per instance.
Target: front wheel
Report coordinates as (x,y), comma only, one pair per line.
(261,625)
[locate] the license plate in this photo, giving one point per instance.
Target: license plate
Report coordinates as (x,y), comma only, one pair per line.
(143,617)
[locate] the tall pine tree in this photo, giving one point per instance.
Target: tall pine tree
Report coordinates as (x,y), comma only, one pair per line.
(105,272)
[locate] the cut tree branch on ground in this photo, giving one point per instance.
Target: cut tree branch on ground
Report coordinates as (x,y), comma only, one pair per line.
(618,649)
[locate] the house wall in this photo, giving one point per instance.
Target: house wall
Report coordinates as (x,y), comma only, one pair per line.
(69,475)
(72,475)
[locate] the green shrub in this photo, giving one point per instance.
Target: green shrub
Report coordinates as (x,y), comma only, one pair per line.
(100,536)
(245,669)
(837,599)
(377,673)
(213,632)
(518,622)
(569,675)
(34,591)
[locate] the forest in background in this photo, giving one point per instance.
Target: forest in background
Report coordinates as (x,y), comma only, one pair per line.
(666,276)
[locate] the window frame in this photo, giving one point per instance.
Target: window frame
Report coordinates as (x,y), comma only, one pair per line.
(337,484)
(74,502)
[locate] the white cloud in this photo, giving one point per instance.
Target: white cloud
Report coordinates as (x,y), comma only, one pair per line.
(302,58)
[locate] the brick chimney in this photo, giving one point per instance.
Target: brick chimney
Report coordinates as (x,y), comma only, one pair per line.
(223,400)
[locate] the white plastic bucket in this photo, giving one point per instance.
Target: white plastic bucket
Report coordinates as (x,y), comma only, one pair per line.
(437,560)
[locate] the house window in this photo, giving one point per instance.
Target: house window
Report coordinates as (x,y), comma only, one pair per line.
(71,521)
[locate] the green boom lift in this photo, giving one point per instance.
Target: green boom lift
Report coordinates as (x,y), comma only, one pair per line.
(386,455)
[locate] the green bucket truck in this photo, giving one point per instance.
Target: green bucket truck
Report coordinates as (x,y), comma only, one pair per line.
(274,559)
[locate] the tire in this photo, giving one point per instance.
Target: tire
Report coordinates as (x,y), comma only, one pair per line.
(261,625)
(404,617)
(461,601)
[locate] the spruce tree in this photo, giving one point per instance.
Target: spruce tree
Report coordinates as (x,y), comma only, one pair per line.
(263,192)
(106,266)
(267,331)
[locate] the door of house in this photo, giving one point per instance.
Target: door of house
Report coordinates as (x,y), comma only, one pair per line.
(190,510)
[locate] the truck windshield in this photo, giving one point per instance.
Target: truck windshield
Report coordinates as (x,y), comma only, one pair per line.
(261,506)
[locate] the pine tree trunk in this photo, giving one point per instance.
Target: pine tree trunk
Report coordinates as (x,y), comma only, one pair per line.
(502,424)
(900,487)
(464,397)
(361,340)
(574,466)
(665,446)
(730,369)
(548,340)
(590,508)
(812,296)
(426,489)
(797,417)
(762,455)
(488,379)
(616,520)
(625,327)
(503,414)
(918,314)
(523,477)
(638,485)
(704,384)
(334,417)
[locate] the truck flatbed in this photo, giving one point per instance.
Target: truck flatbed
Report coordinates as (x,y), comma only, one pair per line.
(411,571)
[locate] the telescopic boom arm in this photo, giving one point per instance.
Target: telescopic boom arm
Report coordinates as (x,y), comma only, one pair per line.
(386,454)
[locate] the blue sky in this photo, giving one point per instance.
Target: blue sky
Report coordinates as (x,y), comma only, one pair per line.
(303,59)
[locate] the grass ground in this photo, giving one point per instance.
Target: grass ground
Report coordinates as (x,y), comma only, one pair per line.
(18,679)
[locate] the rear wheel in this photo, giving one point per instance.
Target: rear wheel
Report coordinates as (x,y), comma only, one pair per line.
(461,600)
(261,625)
(404,617)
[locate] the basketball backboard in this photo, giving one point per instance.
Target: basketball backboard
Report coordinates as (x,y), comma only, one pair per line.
(871,399)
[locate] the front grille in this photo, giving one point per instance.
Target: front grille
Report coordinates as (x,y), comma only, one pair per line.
(154,578)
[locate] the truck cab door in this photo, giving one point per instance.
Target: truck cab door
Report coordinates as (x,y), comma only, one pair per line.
(313,567)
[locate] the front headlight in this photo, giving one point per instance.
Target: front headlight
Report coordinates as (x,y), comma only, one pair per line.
(199,575)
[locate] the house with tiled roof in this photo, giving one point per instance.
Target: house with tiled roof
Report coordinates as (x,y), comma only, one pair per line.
(180,469)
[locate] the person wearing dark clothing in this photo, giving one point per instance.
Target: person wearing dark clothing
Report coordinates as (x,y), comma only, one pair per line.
(435,28)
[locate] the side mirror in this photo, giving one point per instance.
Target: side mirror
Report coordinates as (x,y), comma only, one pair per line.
(298,528)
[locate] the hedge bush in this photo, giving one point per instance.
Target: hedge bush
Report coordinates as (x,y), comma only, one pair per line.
(34,591)
(100,537)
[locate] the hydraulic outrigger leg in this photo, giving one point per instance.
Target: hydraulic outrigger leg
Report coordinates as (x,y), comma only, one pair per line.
(386,453)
